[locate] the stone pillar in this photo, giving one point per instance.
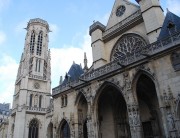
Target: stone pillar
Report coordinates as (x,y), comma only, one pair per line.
(177,122)
(76,125)
(90,124)
(54,132)
(168,114)
(134,121)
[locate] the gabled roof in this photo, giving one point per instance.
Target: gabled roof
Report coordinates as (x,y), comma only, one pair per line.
(74,73)
(130,8)
(170,20)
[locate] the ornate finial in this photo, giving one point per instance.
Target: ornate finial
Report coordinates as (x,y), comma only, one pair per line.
(74,62)
(61,80)
(85,62)
(167,9)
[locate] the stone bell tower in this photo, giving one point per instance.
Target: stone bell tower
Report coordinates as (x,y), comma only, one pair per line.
(32,85)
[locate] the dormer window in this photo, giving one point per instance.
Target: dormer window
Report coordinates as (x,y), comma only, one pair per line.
(171,27)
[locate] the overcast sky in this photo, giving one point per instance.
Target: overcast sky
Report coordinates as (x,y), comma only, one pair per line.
(69,21)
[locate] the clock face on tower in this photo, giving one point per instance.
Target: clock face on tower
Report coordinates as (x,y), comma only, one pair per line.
(120,11)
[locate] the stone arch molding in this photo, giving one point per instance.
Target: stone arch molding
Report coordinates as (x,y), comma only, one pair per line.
(128,44)
(81,92)
(102,85)
(143,69)
(64,119)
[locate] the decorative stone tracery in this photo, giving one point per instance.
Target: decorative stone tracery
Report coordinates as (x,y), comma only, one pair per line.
(129,44)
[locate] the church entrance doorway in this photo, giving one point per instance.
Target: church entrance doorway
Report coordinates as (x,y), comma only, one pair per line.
(112,114)
(82,116)
(149,107)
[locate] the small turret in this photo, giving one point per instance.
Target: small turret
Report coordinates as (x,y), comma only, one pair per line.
(60,80)
(153,18)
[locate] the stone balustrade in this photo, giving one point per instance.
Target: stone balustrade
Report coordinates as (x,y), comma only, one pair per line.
(35,109)
(147,51)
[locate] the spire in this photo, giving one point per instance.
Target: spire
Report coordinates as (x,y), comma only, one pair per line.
(61,80)
(85,62)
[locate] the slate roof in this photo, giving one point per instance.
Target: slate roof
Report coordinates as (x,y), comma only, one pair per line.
(74,73)
(170,19)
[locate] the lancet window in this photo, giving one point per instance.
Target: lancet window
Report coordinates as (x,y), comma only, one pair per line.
(64,101)
(39,43)
(38,65)
(30,100)
(33,129)
(40,101)
(32,42)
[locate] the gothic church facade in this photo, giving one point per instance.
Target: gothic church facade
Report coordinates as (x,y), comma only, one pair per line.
(132,89)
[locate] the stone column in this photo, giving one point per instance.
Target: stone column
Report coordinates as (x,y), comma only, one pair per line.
(90,124)
(54,132)
(134,121)
(177,122)
(76,126)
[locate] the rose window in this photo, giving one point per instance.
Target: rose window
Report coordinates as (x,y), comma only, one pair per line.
(127,45)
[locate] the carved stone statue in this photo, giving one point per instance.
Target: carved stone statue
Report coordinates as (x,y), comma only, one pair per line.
(171,122)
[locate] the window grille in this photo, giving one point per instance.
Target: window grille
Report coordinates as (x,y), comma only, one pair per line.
(30,100)
(39,44)
(65,133)
(33,129)
(32,42)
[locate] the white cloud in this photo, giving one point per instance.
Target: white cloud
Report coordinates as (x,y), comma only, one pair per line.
(173,6)
(8,71)
(62,58)
(2,37)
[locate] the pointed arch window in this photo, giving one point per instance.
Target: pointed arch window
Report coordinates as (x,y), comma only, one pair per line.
(62,101)
(32,42)
(30,100)
(38,65)
(33,129)
(40,101)
(39,68)
(65,131)
(37,61)
(39,43)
